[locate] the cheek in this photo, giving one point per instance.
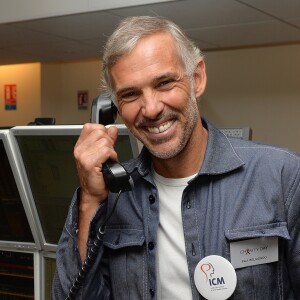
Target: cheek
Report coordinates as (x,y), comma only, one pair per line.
(129,113)
(177,101)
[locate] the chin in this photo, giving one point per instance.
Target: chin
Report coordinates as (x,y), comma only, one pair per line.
(165,154)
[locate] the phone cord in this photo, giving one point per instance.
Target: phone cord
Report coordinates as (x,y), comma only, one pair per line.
(91,256)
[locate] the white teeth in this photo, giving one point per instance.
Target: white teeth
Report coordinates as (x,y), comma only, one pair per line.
(153,130)
(160,129)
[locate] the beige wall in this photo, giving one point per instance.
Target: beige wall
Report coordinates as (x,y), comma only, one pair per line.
(27,78)
(60,85)
(51,91)
(75,77)
(257,87)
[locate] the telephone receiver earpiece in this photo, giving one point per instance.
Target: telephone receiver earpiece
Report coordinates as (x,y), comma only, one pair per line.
(103,110)
(116,177)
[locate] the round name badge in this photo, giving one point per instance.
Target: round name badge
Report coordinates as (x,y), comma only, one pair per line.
(215,278)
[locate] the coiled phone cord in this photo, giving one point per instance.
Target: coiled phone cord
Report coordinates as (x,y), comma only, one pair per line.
(91,256)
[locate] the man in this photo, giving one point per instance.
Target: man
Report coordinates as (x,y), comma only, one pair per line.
(196,193)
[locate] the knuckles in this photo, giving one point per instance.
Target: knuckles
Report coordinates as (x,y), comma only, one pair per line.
(91,126)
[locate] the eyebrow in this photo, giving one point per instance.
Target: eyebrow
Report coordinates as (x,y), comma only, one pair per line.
(167,75)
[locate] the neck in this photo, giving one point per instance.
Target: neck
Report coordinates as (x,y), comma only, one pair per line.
(189,161)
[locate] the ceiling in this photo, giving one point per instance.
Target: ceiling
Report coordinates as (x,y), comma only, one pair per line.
(213,24)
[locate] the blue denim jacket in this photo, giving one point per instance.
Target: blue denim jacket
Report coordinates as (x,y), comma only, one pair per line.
(243,190)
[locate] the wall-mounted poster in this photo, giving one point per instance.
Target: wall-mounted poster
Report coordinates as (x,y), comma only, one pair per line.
(82,99)
(10,96)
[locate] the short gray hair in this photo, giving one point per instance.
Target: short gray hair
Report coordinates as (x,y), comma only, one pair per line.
(133,29)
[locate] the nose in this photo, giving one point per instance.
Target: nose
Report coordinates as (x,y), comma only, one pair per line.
(152,104)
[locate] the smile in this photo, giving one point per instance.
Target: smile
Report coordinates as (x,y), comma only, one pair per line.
(161,128)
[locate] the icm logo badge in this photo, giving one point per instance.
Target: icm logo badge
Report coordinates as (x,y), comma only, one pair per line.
(209,271)
(215,277)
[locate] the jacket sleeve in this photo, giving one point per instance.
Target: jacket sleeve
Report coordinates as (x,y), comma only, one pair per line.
(293,246)
(96,285)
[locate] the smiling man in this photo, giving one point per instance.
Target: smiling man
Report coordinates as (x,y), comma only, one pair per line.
(196,192)
(157,101)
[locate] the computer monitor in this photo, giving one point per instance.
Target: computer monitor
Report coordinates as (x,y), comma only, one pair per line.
(16,232)
(46,156)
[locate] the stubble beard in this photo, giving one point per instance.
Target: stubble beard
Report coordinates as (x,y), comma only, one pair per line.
(187,130)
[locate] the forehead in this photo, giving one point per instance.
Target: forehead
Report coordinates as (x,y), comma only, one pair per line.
(152,54)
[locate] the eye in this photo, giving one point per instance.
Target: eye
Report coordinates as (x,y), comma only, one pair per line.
(168,83)
(128,96)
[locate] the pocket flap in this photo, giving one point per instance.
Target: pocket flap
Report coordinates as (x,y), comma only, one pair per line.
(116,238)
(267,230)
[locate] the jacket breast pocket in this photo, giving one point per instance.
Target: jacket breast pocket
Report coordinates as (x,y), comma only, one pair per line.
(260,280)
(127,262)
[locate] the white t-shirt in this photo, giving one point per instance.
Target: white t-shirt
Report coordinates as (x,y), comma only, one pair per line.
(173,280)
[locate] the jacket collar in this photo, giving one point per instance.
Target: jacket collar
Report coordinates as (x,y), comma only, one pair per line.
(220,156)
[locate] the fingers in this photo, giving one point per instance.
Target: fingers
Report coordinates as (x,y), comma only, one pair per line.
(95,145)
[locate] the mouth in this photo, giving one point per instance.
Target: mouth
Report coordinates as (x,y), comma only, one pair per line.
(162,128)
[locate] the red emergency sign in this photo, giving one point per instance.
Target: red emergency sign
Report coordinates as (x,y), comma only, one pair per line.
(10,96)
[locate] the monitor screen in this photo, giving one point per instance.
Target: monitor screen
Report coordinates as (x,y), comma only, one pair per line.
(47,155)
(51,172)
(14,226)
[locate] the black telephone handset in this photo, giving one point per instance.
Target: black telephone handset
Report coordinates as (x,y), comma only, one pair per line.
(116,178)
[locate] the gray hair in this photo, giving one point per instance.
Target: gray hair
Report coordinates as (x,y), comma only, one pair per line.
(133,29)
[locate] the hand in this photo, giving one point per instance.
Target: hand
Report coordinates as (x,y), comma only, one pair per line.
(94,147)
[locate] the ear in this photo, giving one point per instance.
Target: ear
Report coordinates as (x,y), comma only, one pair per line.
(200,78)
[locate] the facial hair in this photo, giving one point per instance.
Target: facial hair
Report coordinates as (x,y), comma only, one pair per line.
(191,114)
